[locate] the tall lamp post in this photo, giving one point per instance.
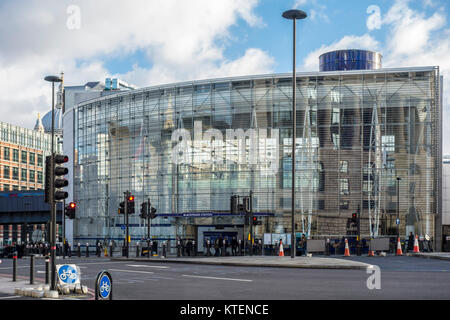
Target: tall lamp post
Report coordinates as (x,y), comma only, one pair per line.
(53,79)
(398,207)
(293,15)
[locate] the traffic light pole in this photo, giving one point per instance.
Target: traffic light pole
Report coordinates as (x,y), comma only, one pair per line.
(251,222)
(148,219)
(52,199)
(126,222)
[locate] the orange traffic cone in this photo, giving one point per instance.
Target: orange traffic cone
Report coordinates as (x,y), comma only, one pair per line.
(347,251)
(281,252)
(371,253)
(416,245)
(399,248)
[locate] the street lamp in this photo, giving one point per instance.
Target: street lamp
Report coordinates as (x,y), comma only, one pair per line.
(53,79)
(293,15)
(398,207)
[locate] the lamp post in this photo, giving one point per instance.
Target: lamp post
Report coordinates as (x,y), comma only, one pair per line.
(293,15)
(398,207)
(53,79)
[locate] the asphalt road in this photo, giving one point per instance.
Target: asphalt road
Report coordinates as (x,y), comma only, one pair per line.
(400,278)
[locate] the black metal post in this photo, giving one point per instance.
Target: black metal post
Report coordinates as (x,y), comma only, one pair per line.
(126,223)
(15,267)
(32,269)
(47,265)
(398,207)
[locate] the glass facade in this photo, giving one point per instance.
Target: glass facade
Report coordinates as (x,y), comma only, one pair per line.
(189,147)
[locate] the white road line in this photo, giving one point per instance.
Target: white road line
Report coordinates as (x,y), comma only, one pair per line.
(11,297)
(132,271)
(215,278)
(145,266)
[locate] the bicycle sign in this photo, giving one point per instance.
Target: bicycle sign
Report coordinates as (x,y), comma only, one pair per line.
(68,274)
(103,287)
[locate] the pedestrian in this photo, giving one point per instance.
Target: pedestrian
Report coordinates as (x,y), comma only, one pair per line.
(188,247)
(410,241)
(303,242)
(216,247)
(233,246)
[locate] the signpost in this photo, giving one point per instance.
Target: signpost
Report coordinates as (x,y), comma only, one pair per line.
(103,286)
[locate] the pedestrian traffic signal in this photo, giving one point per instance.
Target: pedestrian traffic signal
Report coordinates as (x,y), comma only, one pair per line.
(122,208)
(70,210)
(60,182)
(354,217)
(144,210)
(255,221)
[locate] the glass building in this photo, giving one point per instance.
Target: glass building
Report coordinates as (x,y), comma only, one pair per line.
(188,147)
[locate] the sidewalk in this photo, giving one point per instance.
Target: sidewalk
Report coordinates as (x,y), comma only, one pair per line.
(433,255)
(259,261)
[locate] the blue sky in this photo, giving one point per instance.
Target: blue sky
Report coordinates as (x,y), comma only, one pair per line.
(161,41)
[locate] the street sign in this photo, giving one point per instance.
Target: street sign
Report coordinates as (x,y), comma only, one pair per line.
(68,274)
(397,221)
(103,286)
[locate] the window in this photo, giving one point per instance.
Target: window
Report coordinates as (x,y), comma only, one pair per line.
(336,140)
(6,187)
(6,174)
(343,186)
(39,177)
(344,205)
(32,176)
(32,159)
(23,157)
(343,166)
(15,175)
(6,154)
(39,160)
(23,174)
(15,155)
(335,117)
(15,188)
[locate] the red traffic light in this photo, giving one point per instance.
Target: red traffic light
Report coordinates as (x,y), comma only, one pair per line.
(131,198)
(254,218)
(72,205)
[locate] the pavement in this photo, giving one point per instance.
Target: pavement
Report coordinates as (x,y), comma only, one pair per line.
(433,255)
(259,261)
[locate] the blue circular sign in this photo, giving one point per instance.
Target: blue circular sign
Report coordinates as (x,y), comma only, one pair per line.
(104,285)
(68,274)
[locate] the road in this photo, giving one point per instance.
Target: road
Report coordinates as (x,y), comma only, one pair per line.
(400,278)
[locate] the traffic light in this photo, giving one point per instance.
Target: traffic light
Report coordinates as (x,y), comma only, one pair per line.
(255,221)
(246,204)
(122,208)
(354,217)
(234,204)
(130,204)
(48,163)
(144,210)
(152,213)
(70,210)
(60,182)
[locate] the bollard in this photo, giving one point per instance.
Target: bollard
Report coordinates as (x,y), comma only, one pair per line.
(47,270)
(178,248)
(328,247)
(224,248)
(32,269)
(239,247)
(194,248)
(79,250)
(260,247)
(164,249)
(137,249)
(87,250)
(150,249)
(69,248)
(15,267)
(98,250)
(111,251)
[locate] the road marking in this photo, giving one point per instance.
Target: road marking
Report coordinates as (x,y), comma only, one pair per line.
(216,278)
(146,266)
(132,271)
(11,297)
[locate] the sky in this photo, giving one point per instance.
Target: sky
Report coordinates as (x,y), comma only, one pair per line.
(152,42)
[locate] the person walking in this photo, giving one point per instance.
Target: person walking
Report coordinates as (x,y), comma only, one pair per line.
(303,245)
(410,242)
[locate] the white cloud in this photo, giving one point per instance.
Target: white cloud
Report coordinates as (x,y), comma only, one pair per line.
(183,40)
